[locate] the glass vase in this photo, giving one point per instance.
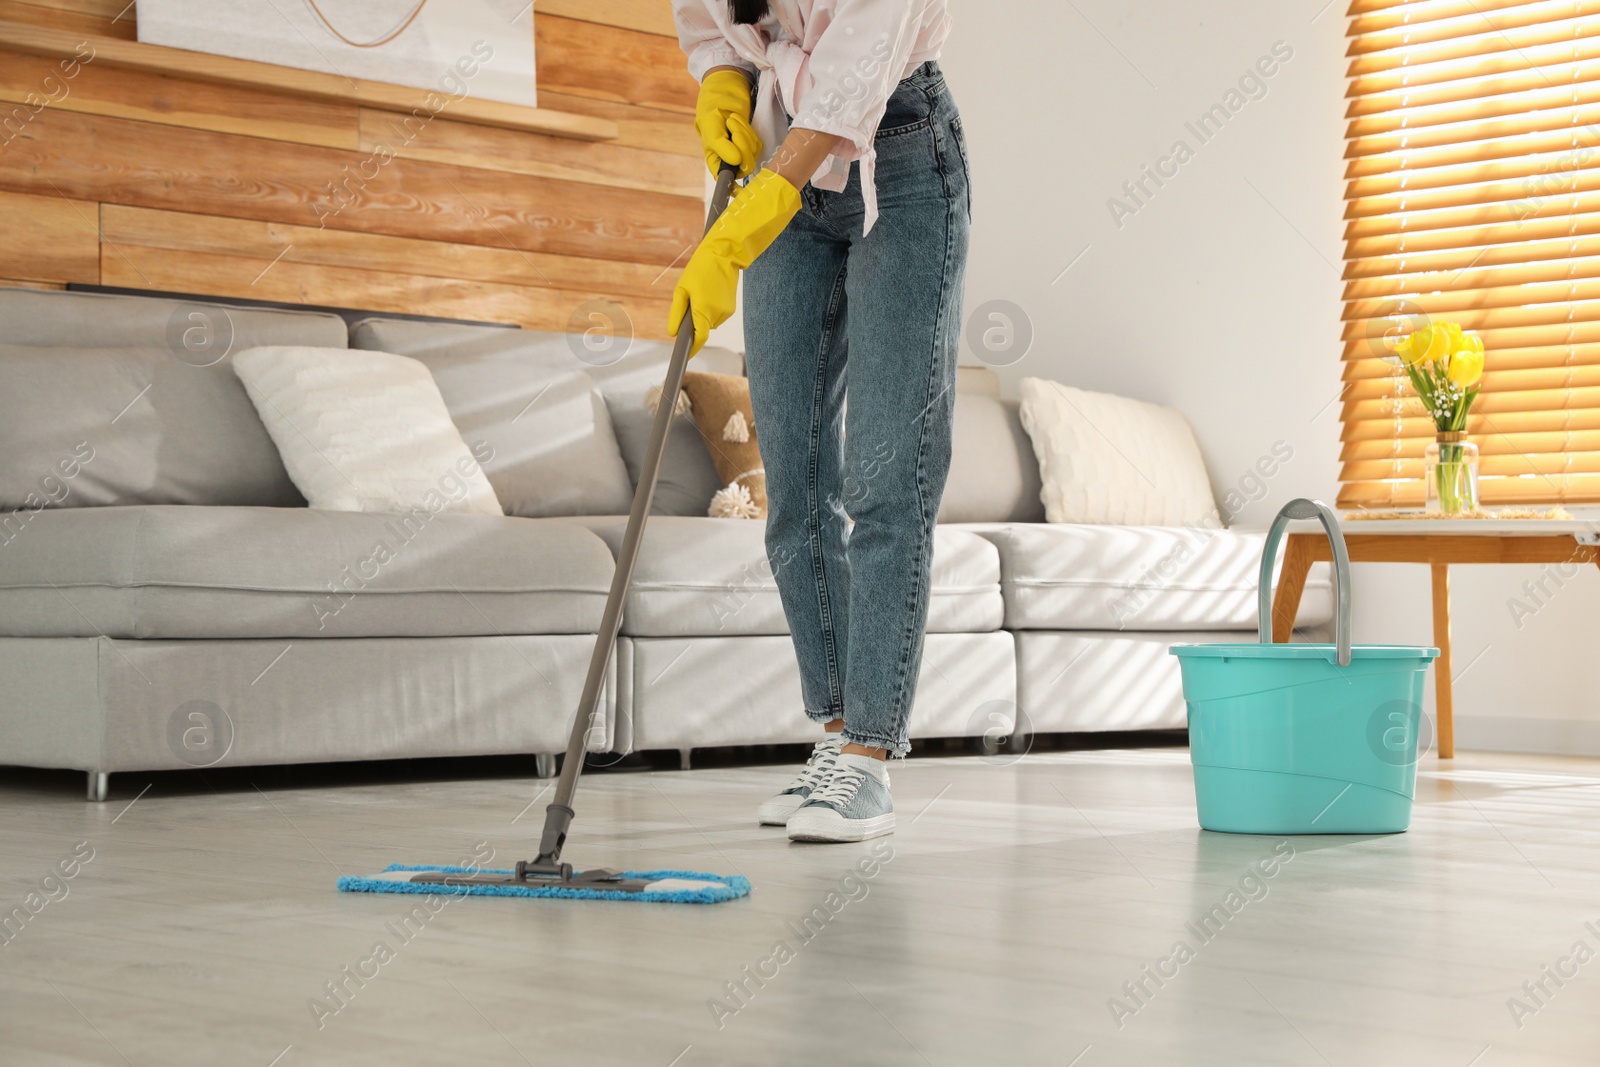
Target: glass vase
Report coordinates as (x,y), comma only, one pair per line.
(1452,474)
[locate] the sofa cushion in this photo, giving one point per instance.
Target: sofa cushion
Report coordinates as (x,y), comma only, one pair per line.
(525,395)
(698,576)
(1095,577)
(198,333)
(222,572)
(980,380)
(115,705)
(1094,681)
(994,474)
(83,427)
(688,478)
(706,691)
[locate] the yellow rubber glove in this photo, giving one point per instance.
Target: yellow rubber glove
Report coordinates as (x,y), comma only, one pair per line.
(710,282)
(722,119)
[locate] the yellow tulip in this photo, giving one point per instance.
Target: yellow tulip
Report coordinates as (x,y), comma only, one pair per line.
(1440,342)
(1424,345)
(1466,366)
(1454,339)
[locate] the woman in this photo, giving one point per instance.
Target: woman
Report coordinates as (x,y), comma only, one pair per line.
(853,240)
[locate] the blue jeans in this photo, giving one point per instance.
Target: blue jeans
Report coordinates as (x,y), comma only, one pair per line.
(831,315)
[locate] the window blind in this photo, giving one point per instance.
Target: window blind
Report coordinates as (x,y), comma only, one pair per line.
(1473,195)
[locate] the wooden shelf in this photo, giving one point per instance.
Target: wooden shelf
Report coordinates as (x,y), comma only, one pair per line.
(292,81)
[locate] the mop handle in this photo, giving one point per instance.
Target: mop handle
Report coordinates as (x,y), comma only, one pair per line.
(559,814)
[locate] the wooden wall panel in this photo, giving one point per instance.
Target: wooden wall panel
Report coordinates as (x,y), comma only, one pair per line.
(469,145)
(349,286)
(110,10)
(103,90)
(90,19)
(116,161)
(639,127)
(180,177)
(48,239)
(648,16)
(609,63)
(269,241)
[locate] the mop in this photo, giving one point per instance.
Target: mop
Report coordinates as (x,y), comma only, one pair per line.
(547,875)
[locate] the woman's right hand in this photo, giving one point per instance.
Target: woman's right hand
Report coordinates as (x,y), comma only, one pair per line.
(708,289)
(722,119)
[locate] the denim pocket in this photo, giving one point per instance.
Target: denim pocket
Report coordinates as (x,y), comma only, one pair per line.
(884,134)
(910,107)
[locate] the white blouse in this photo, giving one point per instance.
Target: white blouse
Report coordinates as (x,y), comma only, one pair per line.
(832,64)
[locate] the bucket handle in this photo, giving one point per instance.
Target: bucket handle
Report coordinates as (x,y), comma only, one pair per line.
(1302,508)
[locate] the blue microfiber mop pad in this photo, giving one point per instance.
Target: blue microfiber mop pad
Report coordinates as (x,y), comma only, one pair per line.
(715,888)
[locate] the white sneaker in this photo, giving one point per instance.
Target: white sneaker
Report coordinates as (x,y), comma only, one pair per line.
(852,804)
(776,811)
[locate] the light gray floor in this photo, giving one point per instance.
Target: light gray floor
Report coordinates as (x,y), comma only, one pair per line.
(1018,901)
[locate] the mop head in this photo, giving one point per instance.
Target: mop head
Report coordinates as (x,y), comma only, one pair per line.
(668,887)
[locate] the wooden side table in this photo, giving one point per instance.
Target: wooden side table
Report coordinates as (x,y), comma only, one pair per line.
(1438,543)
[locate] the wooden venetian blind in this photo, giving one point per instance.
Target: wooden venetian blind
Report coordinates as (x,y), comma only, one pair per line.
(1473,195)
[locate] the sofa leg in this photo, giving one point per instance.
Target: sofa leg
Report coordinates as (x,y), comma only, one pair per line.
(683,758)
(544,765)
(99,786)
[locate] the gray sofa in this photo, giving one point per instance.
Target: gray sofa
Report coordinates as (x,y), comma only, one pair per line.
(167,600)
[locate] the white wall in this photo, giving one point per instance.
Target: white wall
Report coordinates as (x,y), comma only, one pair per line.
(1221,294)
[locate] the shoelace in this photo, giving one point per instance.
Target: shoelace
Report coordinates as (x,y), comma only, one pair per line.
(824,756)
(840,788)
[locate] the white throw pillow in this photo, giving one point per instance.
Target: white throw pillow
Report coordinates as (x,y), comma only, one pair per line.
(363,431)
(1107,459)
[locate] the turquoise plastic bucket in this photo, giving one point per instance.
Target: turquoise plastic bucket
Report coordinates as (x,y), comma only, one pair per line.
(1304,738)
